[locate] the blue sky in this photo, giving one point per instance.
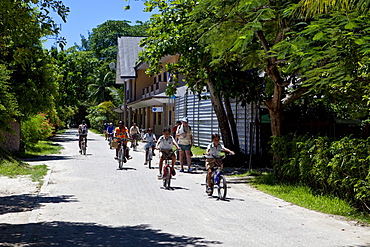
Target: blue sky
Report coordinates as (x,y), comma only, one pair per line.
(87,14)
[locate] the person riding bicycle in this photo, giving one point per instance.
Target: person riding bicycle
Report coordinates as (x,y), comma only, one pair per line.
(150,140)
(82,133)
(134,132)
(214,150)
(165,144)
(109,131)
(123,135)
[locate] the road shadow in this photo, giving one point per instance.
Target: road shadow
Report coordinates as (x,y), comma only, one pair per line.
(46,158)
(59,233)
(28,202)
(172,188)
(241,180)
(227,199)
(126,168)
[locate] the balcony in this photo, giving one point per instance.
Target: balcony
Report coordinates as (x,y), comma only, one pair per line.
(154,89)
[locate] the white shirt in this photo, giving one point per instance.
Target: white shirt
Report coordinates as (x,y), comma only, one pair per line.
(213,150)
(134,130)
(185,135)
(149,138)
(164,144)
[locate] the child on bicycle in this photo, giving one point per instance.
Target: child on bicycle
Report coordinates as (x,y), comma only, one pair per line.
(165,144)
(150,140)
(214,150)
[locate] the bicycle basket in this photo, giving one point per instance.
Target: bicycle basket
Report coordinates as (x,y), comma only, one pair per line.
(114,144)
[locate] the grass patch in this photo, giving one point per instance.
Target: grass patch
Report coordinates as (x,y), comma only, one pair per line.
(61,131)
(13,167)
(303,196)
(198,151)
(12,170)
(42,148)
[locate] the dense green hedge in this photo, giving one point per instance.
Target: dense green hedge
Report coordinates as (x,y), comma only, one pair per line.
(340,168)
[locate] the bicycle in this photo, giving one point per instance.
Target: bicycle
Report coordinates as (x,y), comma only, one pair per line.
(121,157)
(149,154)
(218,179)
(134,142)
(110,139)
(83,145)
(167,174)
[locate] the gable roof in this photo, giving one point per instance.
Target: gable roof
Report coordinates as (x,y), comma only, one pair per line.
(127,55)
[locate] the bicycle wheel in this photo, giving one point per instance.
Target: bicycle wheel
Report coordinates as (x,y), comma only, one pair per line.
(222,187)
(210,193)
(120,158)
(135,144)
(167,177)
(149,159)
(83,147)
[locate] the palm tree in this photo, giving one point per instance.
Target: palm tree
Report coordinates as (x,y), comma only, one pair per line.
(100,92)
(309,8)
(118,95)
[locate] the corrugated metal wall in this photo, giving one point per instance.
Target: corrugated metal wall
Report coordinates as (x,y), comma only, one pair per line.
(203,121)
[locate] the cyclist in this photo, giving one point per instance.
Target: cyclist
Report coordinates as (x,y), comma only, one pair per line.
(134,132)
(165,145)
(122,133)
(82,133)
(213,149)
(185,140)
(109,131)
(150,140)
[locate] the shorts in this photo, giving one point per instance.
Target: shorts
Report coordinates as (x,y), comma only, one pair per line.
(147,145)
(185,147)
(82,136)
(165,153)
(135,136)
(210,163)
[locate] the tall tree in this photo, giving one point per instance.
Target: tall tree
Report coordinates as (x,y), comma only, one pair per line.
(169,33)
(103,39)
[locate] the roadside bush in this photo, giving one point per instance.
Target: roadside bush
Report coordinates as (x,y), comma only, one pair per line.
(36,128)
(100,114)
(337,167)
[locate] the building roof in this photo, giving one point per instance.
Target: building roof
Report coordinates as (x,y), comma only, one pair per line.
(127,55)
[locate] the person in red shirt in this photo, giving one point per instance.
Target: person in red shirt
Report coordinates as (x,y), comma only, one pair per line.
(122,133)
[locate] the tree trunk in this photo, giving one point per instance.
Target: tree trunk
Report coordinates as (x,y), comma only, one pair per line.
(230,117)
(276,110)
(221,116)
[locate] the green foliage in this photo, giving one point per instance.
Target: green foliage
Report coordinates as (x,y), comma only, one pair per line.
(36,128)
(103,39)
(8,103)
(340,168)
(100,114)
(100,91)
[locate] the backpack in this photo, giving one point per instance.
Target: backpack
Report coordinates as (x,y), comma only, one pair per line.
(84,129)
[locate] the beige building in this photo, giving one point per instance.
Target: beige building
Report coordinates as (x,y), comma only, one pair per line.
(145,100)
